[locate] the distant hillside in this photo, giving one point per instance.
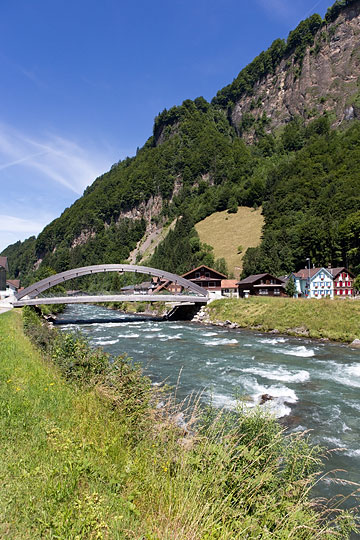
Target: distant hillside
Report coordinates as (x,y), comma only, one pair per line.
(284,134)
(230,234)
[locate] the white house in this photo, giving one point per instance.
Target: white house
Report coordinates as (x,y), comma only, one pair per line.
(314,283)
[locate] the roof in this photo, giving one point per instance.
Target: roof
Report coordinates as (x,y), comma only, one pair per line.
(14,282)
(254,277)
(335,271)
(305,272)
(4,263)
(229,283)
(207,268)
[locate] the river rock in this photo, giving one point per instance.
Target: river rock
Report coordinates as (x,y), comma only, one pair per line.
(264,398)
(355,343)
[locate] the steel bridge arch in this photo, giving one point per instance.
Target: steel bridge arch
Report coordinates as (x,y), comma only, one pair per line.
(40,286)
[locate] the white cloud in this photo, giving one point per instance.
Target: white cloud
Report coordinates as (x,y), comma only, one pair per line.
(53,157)
(19,225)
(13,228)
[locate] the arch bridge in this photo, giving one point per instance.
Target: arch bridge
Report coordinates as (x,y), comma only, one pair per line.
(30,295)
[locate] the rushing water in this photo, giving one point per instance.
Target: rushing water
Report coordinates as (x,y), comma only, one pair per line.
(314,385)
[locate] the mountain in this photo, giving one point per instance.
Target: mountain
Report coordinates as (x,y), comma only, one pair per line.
(284,134)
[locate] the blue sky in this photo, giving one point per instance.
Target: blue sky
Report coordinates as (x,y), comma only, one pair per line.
(84,79)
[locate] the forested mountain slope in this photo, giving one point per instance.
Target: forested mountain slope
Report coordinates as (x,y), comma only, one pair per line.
(256,143)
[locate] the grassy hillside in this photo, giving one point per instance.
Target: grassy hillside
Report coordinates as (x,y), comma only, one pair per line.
(227,232)
(338,320)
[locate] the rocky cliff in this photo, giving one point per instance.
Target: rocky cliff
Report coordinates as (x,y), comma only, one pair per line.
(327,78)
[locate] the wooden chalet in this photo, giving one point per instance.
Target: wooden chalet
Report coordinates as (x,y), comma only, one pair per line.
(261,285)
(205,277)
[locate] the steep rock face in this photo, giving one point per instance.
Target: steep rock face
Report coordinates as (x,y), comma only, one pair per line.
(329,80)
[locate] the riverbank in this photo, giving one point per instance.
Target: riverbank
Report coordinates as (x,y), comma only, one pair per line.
(91,452)
(336,320)
(151,309)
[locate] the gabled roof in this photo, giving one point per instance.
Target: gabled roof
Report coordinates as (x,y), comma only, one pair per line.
(335,271)
(255,277)
(304,272)
(4,263)
(221,276)
(14,282)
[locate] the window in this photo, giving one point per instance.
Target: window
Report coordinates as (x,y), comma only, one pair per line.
(263,291)
(197,274)
(276,291)
(212,284)
(207,274)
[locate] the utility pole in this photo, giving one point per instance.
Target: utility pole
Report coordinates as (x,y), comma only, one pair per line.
(308,284)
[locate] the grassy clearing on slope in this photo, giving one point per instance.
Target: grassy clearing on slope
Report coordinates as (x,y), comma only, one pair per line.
(87,454)
(226,232)
(338,320)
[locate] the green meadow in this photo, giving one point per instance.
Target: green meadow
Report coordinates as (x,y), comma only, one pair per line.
(337,320)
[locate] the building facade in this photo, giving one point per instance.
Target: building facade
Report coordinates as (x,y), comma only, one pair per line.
(314,283)
(206,277)
(229,288)
(261,285)
(343,282)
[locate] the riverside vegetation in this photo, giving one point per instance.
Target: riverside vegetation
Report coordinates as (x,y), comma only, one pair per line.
(89,451)
(337,320)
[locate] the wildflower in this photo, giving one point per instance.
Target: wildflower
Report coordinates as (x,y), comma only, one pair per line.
(17,389)
(9,380)
(51,384)
(46,389)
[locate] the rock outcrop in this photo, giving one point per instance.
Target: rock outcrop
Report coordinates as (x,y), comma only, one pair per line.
(327,80)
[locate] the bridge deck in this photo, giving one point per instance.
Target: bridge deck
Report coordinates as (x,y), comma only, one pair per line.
(112,298)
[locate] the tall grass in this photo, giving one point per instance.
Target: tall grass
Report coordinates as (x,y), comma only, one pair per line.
(90,451)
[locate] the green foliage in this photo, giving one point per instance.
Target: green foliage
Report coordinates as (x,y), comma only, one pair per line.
(290,288)
(334,11)
(311,205)
(21,258)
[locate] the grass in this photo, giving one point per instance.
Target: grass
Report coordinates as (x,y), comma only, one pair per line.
(226,232)
(88,454)
(336,320)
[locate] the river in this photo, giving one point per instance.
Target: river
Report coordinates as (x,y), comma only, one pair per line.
(314,385)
